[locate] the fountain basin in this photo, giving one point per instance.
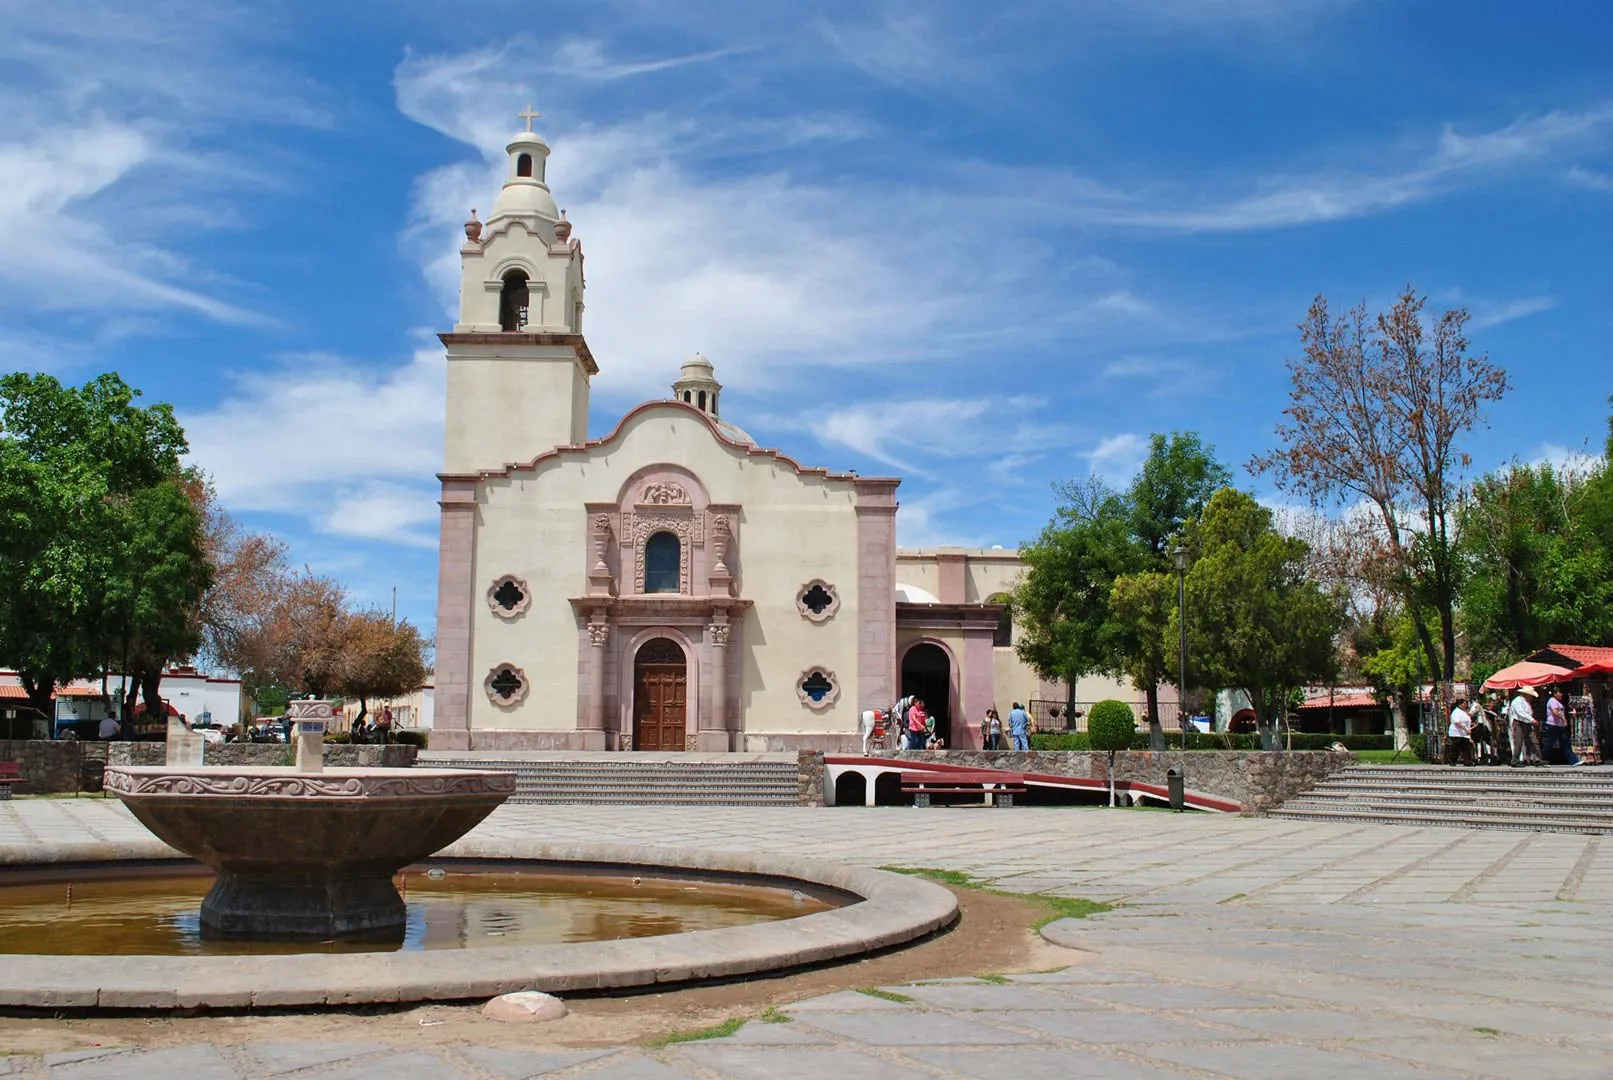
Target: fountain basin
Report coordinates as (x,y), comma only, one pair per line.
(895,909)
(306,855)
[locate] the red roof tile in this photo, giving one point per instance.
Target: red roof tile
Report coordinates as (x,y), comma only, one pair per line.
(1342,701)
(12,693)
(1585,654)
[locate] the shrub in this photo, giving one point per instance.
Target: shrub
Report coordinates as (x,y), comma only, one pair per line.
(340,738)
(1074,740)
(1419,747)
(417,739)
(1112,726)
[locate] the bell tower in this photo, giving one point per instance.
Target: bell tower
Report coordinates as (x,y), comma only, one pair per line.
(518,366)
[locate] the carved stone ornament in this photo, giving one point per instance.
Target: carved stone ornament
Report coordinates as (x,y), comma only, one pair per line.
(817,600)
(718,633)
(817,688)
(721,534)
(598,634)
(506,686)
(310,709)
(664,493)
(508,596)
(324,786)
(601,543)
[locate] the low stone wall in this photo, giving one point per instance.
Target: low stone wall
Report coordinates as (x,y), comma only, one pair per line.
(809,780)
(1257,781)
(63,765)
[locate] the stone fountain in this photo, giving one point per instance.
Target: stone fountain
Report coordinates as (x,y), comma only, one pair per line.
(306,852)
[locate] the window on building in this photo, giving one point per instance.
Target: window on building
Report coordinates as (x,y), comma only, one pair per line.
(688,396)
(1004,635)
(509,595)
(523,165)
(702,400)
(714,404)
(817,686)
(506,684)
(513,301)
(817,599)
(662,555)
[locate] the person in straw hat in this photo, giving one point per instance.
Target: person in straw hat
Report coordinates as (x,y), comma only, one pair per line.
(1521,713)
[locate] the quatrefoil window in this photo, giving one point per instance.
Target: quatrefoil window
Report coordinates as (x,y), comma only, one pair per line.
(508,596)
(817,688)
(506,684)
(817,600)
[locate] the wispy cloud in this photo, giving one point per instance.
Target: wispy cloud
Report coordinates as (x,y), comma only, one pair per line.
(1493,313)
(588,59)
(1589,178)
(1453,161)
(1118,457)
(349,449)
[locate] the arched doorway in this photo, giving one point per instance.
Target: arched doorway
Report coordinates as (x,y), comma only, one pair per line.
(927,673)
(660,696)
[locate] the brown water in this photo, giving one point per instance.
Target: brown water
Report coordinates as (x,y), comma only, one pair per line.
(153,911)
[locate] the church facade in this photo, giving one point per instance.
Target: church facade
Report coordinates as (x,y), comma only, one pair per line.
(671,585)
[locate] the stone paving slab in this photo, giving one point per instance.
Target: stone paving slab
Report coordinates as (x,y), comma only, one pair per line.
(1245,948)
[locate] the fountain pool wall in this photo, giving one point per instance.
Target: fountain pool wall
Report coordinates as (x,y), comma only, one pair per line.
(895,909)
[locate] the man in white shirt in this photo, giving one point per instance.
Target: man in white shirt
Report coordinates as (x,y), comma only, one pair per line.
(109,728)
(1459,736)
(1521,716)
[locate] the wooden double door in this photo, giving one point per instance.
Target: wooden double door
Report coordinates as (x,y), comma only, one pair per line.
(660,696)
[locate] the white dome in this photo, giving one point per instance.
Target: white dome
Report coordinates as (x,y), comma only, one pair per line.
(912,594)
(697,367)
(525,197)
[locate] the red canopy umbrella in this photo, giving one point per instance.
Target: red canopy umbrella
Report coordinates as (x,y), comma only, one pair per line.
(1527,673)
(1602,668)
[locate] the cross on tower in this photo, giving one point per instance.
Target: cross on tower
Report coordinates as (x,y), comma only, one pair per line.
(530,114)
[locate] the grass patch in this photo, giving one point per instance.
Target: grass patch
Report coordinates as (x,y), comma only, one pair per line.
(1493,1033)
(995,980)
(771,1015)
(1057,907)
(717,1031)
(1234,898)
(885,995)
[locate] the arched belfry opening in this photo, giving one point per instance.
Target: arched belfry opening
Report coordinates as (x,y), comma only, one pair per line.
(523,165)
(514,302)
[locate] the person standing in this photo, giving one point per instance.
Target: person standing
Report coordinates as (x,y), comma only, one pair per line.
(1459,736)
(1019,727)
(1521,722)
(1556,744)
(109,728)
(993,730)
(918,725)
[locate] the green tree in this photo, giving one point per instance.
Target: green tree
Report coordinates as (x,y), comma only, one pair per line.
(73,465)
(1260,623)
(1140,606)
(1110,728)
(1538,570)
(1065,601)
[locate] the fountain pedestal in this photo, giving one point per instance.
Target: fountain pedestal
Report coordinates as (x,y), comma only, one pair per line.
(307,855)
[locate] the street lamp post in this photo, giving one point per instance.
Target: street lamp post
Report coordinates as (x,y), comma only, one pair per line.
(1179,559)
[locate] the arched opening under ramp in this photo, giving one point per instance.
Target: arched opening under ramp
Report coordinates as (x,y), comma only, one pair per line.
(851,789)
(888,790)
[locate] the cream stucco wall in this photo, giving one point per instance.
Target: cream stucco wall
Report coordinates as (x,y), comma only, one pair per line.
(509,404)
(790,529)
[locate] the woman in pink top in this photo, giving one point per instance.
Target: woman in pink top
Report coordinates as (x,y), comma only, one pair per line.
(917,724)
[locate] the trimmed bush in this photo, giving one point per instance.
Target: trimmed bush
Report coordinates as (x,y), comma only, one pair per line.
(417,739)
(1074,740)
(339,738)
(1111,725)
(1419,747)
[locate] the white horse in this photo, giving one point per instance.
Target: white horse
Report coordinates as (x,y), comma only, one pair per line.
(871,719)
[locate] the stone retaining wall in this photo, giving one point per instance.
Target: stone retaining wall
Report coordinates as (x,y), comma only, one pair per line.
(62,765)
(809,782)
(1257,781)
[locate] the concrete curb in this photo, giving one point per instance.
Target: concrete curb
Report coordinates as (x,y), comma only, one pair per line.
(895,909)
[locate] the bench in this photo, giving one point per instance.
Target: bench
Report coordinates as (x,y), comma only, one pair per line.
(10,773)
(994,787)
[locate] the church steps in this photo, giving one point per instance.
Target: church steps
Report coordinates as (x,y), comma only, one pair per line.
(645,782)
(1557,800)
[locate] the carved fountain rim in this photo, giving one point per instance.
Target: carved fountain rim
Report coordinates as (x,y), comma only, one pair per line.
(895,909)
(273,782)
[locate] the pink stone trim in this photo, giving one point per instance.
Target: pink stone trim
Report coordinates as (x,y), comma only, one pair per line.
(876,596)
(870,483)
(455,605)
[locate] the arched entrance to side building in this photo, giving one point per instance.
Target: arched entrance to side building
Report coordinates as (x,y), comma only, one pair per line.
(660,696)
(927,674)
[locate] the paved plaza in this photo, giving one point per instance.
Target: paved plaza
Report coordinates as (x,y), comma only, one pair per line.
(1242,948)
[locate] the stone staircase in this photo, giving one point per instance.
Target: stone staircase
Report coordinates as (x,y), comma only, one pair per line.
(625,778)
(1578,800)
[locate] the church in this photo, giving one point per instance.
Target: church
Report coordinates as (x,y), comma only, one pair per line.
(671,585)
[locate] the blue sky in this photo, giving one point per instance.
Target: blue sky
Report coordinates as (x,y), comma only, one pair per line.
(983,248)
